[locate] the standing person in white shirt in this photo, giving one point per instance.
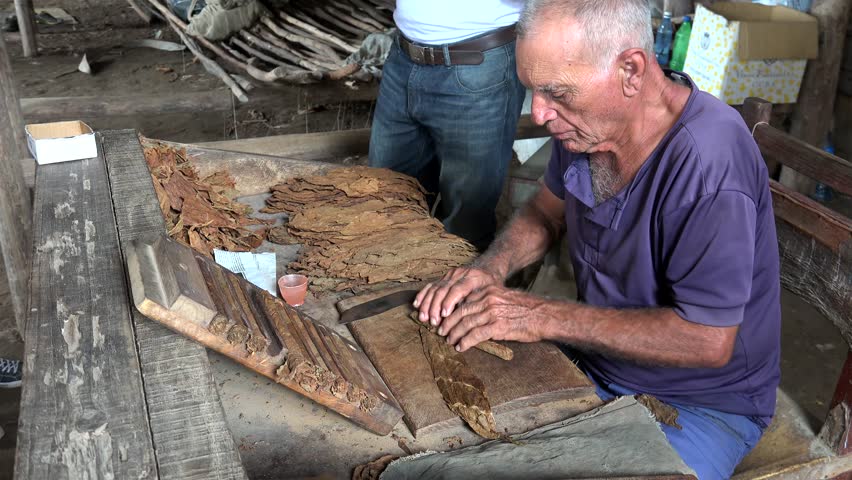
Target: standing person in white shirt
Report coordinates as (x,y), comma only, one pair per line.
(449,104)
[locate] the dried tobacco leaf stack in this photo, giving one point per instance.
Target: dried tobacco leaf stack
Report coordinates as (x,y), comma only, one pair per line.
(365,226)
(200,212)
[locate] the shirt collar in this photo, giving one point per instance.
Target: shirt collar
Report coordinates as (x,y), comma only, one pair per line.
(577,178)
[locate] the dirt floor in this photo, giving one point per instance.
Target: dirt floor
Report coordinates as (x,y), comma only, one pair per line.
(813,350)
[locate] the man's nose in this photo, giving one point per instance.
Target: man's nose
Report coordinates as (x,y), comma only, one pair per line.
(542,112)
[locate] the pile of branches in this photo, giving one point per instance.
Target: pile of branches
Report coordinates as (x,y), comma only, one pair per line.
(362,228)
(301,42)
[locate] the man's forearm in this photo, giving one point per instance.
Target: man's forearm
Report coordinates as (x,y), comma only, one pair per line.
(647,336)
(525,239)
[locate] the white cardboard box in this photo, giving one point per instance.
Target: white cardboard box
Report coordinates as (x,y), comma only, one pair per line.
(61,141)
(739,50)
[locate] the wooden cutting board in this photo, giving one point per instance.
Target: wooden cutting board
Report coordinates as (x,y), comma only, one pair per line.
(191,294)
(540,385)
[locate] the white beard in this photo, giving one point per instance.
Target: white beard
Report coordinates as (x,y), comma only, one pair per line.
(605,178)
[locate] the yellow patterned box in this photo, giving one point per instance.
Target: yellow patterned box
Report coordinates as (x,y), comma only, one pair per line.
(740,50)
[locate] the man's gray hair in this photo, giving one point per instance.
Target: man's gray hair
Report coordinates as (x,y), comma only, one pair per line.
(610,26)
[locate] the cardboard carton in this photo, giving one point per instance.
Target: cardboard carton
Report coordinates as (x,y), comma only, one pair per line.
(61,141)
(740,50)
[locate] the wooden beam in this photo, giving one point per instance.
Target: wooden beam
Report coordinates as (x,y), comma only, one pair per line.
(777,146)
(814,111)
(83,409)
(44,109)
(757,110)
(337,144)
(333,145)
(51,109)
(15,203)
(822,224)
(186,417)
(27,26)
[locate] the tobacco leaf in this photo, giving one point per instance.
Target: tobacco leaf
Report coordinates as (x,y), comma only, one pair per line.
(463,391)
(198,212)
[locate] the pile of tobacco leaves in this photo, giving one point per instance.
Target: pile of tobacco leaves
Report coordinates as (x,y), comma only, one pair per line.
(201,212)
(363,227)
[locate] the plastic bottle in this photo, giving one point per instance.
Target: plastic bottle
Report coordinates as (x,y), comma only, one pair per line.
(663,43)
(181,7)
(823,193)
(681,44)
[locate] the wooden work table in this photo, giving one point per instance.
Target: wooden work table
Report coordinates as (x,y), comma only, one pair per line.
(109,392)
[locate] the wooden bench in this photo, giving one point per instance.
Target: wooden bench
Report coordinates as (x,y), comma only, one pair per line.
(815,245)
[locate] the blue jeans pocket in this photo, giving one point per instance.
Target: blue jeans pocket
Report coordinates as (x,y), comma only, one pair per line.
(491,74)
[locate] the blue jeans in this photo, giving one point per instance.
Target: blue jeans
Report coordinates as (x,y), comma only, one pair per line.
(452,128)
(711,442)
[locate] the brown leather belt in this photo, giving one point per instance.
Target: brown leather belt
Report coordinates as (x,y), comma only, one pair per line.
(466,52)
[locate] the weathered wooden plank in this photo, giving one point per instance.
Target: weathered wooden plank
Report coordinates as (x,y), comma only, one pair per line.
(187,421)
(336,144)
(43,109)
(822,224)
(777,146)
(83,412)
(15,206)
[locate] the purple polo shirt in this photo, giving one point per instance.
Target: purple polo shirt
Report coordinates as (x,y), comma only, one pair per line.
(693,231)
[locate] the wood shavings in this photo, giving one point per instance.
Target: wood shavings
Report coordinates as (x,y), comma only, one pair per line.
(199,212)
(463,391)
(364,226)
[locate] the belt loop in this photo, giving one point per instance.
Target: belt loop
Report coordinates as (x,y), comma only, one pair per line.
(447,60)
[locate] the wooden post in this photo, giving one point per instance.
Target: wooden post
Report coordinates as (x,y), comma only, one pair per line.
(837,421)
(757,110)
(814,111)
(26,24)
(15,205)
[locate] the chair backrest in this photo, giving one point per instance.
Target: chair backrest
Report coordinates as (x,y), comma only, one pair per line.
(815,242)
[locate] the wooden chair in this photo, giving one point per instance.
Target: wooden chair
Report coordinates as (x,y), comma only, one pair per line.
(815,246)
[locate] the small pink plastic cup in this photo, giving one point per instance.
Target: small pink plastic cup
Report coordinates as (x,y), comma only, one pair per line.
(293,288)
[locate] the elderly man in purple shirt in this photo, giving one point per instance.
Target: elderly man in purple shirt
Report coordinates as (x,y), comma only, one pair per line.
(665,202)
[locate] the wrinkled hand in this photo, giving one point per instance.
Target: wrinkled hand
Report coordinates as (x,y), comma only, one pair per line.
(494,313)
(439,299)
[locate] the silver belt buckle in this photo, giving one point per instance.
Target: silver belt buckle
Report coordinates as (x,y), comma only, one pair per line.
(422,54)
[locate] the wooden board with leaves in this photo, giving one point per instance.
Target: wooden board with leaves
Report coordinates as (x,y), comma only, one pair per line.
(540,385)
(257,330)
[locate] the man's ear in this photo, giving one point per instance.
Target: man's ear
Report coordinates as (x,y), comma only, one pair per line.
(632,65)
